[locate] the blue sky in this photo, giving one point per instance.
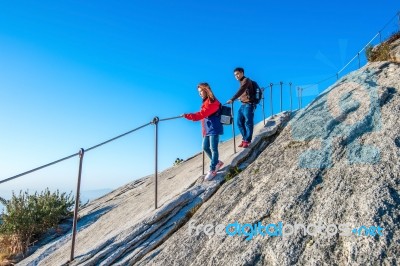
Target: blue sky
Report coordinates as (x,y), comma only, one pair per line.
(76,73)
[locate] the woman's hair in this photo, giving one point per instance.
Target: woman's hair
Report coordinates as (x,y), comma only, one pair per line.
(207,89)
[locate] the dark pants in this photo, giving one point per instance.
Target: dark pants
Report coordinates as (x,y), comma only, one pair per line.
(245,121)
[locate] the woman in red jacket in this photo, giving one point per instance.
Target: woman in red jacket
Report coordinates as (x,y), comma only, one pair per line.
(210,116)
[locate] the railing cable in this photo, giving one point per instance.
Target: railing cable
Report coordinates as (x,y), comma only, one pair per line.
(175,117)
(70,156)
(38,168)
(117,137)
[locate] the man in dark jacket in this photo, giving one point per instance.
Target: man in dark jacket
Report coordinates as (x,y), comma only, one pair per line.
(245,118)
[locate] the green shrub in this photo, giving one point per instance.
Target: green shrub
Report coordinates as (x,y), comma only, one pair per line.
(27,217)
(381,52)
(178,161)
(234,171)
(3,201)
(378,53)
(394,37)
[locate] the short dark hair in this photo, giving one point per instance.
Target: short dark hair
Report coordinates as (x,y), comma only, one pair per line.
(240,69)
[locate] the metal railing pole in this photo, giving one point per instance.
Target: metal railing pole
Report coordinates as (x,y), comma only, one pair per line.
(301,97)
(263,103)
(233,129)
(290,91)
(281,83)
(155,122)
(398,21)
(272,108)
(203,163)
(298,95)
(77,196)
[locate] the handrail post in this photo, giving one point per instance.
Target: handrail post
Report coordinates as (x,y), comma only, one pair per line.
(398,19)
(272,108)
(301,97)
(155,122)
(298,95)
(203,162)
(77,196)
(263,103)
(233,129)
(290,91)
(281,94)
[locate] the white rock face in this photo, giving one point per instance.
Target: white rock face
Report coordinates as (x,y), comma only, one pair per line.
(123,226)
(335,165)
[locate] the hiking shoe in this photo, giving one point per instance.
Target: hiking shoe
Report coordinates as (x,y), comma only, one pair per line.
(241,144)
(210,175)
(246,144)
(219,165)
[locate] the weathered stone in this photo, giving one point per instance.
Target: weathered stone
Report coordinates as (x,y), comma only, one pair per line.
(113,231)
(395,51)
(337,162)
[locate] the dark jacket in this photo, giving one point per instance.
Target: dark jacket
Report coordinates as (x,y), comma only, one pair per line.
(210,116)
(242,92)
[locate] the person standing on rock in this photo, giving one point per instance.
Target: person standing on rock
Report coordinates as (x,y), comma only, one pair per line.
(211,125)
(245,120)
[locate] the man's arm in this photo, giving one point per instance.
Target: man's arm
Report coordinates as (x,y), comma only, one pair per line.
(243,86)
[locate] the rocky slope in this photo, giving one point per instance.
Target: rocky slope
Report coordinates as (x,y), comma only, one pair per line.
(334,169)
(395,49)
(323,190)
(123,226)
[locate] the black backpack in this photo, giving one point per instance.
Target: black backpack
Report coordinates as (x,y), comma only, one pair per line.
(255,93)
(226,115)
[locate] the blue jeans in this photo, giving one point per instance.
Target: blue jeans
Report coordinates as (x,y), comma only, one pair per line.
(210,147)
(245,121)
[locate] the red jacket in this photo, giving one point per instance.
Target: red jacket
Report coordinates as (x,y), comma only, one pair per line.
(209,125)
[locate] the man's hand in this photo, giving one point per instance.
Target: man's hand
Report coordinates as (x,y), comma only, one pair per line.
(229,101)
